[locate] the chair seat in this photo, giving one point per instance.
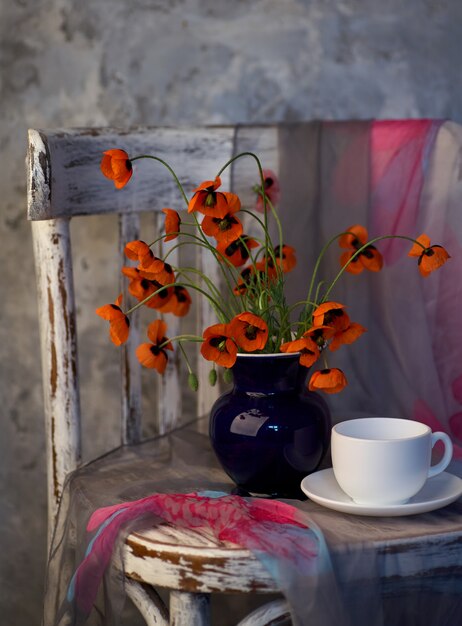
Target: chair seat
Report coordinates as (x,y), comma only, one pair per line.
(188,560)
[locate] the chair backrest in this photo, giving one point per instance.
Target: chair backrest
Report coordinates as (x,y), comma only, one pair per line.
(64,181)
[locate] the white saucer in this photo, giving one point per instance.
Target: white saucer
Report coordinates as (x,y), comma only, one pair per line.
(321,487)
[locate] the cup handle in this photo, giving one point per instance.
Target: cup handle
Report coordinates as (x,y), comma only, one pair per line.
(442,465)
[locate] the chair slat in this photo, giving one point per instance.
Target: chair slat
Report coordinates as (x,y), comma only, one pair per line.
(206,317)
(55,289)
(68,163)
(169,400)
(129,227)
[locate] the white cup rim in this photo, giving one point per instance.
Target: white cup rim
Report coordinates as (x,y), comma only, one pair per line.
(426,430)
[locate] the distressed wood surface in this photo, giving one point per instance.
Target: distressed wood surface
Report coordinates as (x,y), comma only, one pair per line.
(189,609)
(129,227)
(55,290)
(190,561)
(170,400)
(65,180)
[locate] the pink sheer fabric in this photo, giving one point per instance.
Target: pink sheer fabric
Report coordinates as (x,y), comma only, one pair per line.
(259,525)
(398,178)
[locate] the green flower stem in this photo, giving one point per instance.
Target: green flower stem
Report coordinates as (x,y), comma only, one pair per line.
(212,301)
(358,252)
(180,338)
(319,259)
(217,294)
(165,164)
(305,303)
(200,241)
(265,199)
(218,256)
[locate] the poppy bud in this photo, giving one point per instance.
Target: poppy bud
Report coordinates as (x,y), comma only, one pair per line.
(213,377)
(193,382)
(228,375)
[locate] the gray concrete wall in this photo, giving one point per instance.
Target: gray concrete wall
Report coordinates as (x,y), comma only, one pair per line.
(75,63)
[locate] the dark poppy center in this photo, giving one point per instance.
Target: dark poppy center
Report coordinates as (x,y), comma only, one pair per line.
(330,315)
(368,252)
(429,252)
(219,343)
(155,350)
(180,294)
(128,165)
(226,223)
(268,182)
(251,332)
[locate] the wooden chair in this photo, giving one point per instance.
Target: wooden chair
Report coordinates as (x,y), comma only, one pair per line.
(64,181)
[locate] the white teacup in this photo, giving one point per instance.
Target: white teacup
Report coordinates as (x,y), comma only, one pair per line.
(385,460)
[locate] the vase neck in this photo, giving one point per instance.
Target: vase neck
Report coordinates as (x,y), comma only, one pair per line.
(269,373)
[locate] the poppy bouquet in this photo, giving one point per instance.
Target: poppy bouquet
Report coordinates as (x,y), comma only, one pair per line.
(253,316)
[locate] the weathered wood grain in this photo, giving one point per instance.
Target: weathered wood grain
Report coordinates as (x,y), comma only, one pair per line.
(65,179)
(189,609)
(55,290)
(187,560)
(129,225)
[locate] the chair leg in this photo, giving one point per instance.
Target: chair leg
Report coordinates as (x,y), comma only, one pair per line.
(148,603)
(189,609)
(270,614)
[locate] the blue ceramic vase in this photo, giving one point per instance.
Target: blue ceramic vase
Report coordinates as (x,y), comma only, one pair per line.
(269,431)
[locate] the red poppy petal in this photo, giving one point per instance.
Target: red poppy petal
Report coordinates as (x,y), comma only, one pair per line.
(149,359)
(157,330)
(372,259)
(417,249)
(119,329)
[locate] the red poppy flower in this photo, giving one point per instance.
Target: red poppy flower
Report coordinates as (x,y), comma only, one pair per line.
(430,258)
(208,201)
(306,346)
(370,258)
(249,331)
(288,261)
(218,345)
(153,355)
(150,266)
(161,273)
(226,229)
(116,165)
(328,380)
(331,314)
(178,303)
(172,224)
(320,335)
(237,252)
(141,288)
(271,187)
(119,324)
(347,336)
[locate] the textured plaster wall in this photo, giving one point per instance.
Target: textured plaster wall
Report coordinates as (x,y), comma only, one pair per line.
(74,63)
